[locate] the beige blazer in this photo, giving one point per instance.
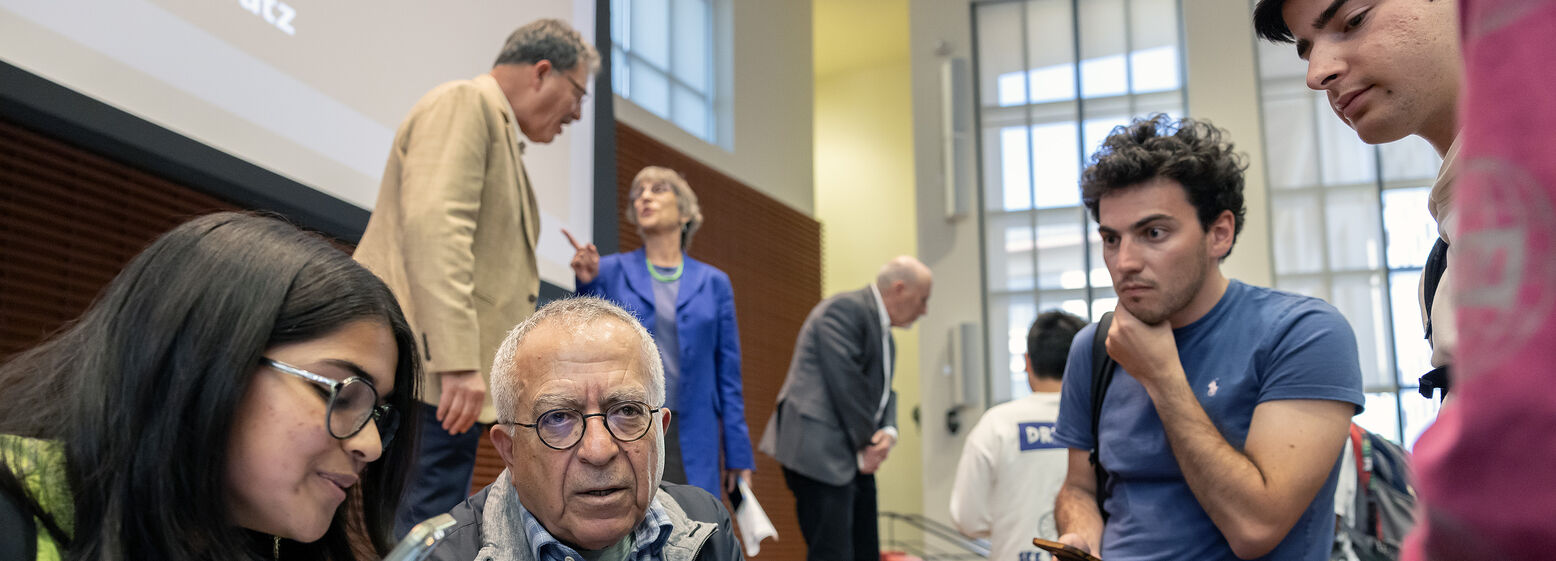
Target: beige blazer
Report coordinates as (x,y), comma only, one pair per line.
(453,233)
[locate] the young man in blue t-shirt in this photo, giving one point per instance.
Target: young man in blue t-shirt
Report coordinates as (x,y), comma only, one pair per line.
(1222,428)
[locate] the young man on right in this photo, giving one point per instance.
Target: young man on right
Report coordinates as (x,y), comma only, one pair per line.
(1220,432)
(1391,69)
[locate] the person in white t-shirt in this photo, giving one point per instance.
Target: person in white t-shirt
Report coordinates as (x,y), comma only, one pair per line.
(1011,467)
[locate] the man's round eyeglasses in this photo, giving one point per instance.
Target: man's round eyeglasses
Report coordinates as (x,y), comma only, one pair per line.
(351,403)
(563,428)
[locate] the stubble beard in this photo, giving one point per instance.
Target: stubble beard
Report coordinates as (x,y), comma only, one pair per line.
(1174,298)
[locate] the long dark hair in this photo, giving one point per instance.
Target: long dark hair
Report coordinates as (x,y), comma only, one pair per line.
(141,389)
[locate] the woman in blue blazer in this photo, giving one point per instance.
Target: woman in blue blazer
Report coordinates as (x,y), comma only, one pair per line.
(689,307)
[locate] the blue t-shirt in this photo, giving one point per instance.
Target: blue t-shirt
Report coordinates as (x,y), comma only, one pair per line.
(1255,345)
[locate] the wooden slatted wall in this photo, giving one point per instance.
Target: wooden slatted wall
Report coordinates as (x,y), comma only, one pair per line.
(69,221)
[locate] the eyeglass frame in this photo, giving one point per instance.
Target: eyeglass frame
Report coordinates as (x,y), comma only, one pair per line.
(376,413)
(584,418)
(583,93)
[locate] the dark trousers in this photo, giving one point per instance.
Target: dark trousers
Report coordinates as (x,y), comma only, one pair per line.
(444,465)
(838,522)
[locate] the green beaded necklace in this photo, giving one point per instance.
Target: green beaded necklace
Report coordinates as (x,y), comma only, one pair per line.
(672,277)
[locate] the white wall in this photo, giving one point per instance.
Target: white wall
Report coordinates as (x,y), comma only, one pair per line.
(950,248)
(773,94)
(1222,87)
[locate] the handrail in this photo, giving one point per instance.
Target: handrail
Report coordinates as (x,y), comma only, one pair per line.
(946,533)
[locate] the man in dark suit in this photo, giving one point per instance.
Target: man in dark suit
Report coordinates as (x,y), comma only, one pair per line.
(836,416)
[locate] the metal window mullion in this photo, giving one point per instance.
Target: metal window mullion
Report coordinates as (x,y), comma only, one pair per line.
(670,62)
(1183,60)
(671,78)
(1323,203)
(711,123)
(1026,128)
(1129,59)
(1388,298)
(1080,146)
(983,249)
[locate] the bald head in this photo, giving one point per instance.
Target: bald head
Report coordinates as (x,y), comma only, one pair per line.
(904,283)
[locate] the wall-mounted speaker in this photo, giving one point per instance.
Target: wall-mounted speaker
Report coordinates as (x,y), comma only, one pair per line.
(956,136)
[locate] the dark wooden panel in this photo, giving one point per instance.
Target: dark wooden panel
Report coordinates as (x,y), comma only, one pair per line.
(69,220)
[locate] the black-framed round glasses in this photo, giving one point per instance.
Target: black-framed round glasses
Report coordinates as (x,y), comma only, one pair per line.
(351,404)
(563,428)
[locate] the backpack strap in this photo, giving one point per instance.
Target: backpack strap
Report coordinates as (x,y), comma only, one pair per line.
(1432,275)
(1102,367)
(1360,448)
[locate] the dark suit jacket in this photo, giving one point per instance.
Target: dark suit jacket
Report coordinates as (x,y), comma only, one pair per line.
(710,399)
(826,409)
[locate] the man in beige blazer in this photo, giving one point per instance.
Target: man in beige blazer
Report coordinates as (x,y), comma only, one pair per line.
(454,231)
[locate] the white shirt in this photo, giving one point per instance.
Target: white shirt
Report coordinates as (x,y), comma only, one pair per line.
(886,357)
(1009,475)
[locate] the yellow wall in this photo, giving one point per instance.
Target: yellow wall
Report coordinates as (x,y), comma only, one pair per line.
(865,182)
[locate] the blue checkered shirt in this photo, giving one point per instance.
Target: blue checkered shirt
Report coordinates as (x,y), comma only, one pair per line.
(648,537)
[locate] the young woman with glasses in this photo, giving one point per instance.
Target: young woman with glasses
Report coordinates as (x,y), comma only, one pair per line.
(232,394)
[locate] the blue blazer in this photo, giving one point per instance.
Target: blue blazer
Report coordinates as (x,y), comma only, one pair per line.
(710,393)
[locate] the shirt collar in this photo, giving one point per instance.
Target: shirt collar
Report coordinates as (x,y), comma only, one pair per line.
(649,536)
(1441,196)
(518,133)
(880,307)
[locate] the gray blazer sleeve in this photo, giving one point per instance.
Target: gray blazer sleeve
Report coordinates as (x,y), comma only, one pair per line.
(890,418)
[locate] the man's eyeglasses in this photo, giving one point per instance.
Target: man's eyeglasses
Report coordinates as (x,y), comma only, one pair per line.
(351,403)
(583,93)
(561,429)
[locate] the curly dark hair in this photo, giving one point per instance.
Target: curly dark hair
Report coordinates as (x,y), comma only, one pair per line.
(1187,151)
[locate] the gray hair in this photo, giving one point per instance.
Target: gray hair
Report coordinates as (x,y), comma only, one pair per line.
(549,39)
(901,268)
(577,315)
(685,199)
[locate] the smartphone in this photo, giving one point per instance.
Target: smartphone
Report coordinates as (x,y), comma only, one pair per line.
(421,540)
(1063,552)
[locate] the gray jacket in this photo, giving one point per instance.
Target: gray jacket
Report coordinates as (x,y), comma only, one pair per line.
(826,410)
(489,527)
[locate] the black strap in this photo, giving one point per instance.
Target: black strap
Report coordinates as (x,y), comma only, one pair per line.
(1432,273)
(1436,264)
(1102,367)
(18,533)
(1434,380)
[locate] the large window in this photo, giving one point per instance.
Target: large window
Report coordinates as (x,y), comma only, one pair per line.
(1350,225)
(664,61)
(1054,77)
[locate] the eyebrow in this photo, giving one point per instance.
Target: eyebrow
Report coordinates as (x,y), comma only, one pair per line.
(350,367)
(1138,223)
(547,402)
(619,395)
(1328,14)
(1304,45)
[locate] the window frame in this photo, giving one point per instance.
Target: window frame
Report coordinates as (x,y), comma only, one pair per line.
(711,99)
(1030,114)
